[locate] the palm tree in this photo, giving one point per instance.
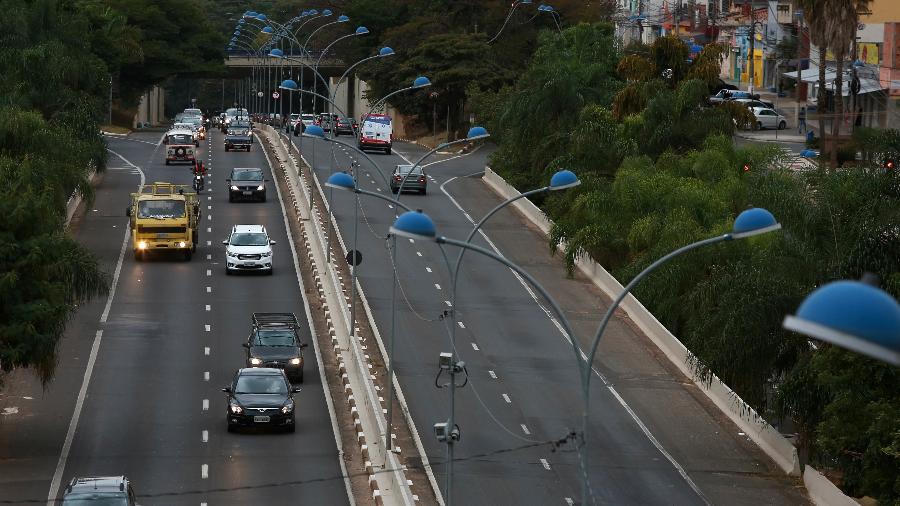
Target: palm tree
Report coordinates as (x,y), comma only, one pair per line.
(842,17)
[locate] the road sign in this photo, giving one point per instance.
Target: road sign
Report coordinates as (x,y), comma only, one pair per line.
(354,259)
(275,95)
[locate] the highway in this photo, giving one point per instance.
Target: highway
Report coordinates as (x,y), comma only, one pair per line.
(523,389)
(164,344)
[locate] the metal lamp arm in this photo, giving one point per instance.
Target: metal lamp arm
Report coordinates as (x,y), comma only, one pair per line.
(303,63)
(324,51)
(508,16)
(306,44)
(380,196)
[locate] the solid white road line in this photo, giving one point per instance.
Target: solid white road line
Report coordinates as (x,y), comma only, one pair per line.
(92,359)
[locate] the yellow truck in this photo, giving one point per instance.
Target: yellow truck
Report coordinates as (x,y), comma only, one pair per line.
(165,217)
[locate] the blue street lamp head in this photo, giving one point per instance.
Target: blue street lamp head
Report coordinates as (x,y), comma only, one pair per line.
(261,16)
(342,19)
(326,12)
(361,30)
(477,132)
(268,29)
(314,131)
(414,225)
(525,2)
(564,179)
(341,181)
(313,12)
(288,84)
(421,82)
(853,315)
(754,221)
(276,53)
(241,21)
(304,14)
(385,51)
(251,14)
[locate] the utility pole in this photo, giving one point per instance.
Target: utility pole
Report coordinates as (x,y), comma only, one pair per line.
(854,82)
(751,55)
(109,117)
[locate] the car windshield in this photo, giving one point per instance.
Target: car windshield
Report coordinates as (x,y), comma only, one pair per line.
(254,384)
(241,123)
(180,139)
(96,499)
(274,338)
(182,126)
(247,175)
(160,209)
(405,169)
(238,131)
(249,239)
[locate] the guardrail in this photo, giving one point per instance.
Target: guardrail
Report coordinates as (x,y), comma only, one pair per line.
(776,446)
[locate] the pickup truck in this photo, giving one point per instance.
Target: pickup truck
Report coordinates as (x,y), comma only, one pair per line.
(238,138)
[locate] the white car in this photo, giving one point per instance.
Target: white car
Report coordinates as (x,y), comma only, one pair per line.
(308,119)
(187,127)
(768,118)
(248,249)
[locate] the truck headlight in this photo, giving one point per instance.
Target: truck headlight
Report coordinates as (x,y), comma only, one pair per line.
(287,408)
(236,408)
(142,245)
(181,244)
(255,361)
(295,361)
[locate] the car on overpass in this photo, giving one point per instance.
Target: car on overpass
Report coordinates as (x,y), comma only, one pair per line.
(260,397)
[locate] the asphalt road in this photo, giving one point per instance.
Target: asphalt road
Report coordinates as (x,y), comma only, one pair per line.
(153,409)
(523,387)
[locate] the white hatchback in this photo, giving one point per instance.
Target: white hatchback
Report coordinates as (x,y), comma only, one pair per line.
(768,118)
(248,249)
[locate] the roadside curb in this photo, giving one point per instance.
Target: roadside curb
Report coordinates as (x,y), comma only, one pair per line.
(113,134)
(771,139)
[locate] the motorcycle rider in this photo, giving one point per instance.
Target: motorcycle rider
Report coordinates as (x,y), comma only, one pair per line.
(199,171)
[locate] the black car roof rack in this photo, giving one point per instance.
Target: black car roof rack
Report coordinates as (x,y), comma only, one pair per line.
(275,320)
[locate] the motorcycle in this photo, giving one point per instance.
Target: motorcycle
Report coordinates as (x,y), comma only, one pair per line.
(198,183)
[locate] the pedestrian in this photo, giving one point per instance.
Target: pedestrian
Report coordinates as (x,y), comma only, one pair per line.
(859,117)
(801,120)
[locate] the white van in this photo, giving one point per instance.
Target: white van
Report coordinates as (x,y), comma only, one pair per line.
(377,132)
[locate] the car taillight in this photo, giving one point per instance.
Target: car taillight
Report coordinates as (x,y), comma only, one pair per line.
(421,179)
(398,178)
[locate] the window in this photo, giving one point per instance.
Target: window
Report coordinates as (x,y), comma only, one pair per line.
(249,239)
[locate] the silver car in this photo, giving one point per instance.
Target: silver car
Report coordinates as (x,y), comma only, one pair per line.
(415,181)
(769,118)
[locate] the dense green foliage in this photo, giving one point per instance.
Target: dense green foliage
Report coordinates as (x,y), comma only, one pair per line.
(56,59)
(660,170)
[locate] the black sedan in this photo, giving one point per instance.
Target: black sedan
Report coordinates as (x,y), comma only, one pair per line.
(246,183)
(345,125)
(260,397)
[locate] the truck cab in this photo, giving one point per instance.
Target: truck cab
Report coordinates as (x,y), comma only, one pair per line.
(164,217)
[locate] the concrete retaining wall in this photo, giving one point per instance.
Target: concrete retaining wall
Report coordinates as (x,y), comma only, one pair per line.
(764,435)
(822,491)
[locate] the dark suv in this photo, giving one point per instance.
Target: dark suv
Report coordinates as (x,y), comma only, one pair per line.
(246,184)
(99,491)
(260,397)
(275,342)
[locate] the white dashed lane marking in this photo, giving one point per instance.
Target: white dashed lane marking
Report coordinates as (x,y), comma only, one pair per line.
(204,471)
(419,253)
(526,431)
(507,399)
(475,347)
(492,374)
(208,230)
(461,325)
(208,257)
(205,375)
(207,327)
(208,271)
(204,436)
(437,286)
(208,289)
(450,304)
(428,269)
(208,307)
(206,351)
(545,464)
(205,404)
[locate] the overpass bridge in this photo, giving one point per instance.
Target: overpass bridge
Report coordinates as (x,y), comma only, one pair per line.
(260,75)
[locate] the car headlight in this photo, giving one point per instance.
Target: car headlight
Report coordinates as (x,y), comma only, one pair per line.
(295,361)
(234,188)
(255,361)
(266,254)
(260,188)
(170,151)
(142,245)
(231,254)
(287,408)
(236,408)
